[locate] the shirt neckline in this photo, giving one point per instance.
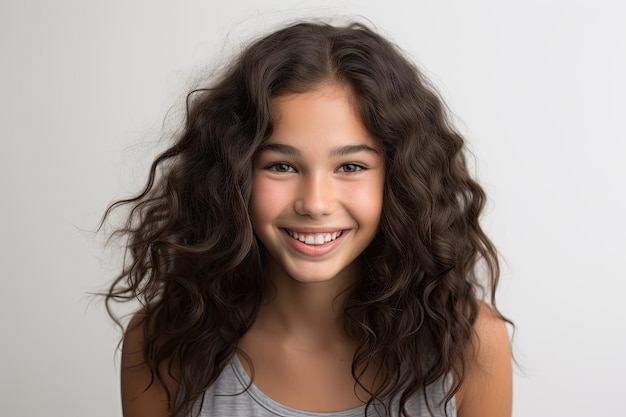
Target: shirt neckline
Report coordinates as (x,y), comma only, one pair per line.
(278,408)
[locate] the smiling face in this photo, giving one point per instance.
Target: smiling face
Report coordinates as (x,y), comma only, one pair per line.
(317,189)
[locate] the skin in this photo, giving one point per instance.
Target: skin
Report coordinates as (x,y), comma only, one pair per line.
(136,377)
(487,390)
(319,171)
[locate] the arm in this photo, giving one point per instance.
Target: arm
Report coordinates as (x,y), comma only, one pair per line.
(137,401)
(487,389)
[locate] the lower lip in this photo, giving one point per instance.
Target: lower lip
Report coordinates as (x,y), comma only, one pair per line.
(314,250)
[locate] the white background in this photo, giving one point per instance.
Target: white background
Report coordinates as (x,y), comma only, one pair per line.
(538,88)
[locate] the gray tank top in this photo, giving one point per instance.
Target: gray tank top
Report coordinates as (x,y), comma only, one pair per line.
(228,397)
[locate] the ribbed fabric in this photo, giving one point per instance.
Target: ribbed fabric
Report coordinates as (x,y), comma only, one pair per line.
(228,397)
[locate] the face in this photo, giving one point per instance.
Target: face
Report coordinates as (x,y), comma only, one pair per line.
(318,187)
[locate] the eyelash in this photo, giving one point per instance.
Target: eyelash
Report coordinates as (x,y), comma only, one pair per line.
(274,168)
(358,167)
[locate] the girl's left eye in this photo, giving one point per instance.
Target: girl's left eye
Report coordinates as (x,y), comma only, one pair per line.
(350,168)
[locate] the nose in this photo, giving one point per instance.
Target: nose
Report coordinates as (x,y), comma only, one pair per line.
(316,196)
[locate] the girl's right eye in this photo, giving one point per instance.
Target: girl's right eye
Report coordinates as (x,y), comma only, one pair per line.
(281,167)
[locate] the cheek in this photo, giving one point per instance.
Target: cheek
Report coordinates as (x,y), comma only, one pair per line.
(258,201)
(266,200)
(365,202)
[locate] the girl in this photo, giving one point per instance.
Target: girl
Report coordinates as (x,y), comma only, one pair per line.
(308,246)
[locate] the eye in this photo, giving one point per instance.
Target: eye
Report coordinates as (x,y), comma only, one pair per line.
(281,167)
(351,168)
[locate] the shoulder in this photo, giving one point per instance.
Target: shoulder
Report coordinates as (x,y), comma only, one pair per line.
(143,394)
(487,388)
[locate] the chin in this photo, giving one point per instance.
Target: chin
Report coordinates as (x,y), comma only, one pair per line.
(320,273)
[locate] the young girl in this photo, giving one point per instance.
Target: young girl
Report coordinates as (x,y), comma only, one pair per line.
(308,247)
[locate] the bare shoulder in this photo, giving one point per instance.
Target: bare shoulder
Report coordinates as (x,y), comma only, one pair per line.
(487,389)
(142,393)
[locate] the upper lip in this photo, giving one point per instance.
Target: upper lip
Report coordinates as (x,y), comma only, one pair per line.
(313,230)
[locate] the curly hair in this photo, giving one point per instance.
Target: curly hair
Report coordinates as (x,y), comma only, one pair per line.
(196,266)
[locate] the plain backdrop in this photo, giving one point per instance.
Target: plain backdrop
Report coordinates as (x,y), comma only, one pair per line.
(89,91)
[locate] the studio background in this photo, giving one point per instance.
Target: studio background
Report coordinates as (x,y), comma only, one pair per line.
(89,89)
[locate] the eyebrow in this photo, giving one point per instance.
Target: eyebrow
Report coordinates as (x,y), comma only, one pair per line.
(340,151)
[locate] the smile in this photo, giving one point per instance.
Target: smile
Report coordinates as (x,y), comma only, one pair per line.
(314,239)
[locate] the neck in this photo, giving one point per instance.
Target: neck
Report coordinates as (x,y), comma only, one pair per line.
(308,313)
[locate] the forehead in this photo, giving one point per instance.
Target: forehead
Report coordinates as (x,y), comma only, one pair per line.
(327,92)
(325,115)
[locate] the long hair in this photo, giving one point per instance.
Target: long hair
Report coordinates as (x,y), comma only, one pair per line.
(194,262)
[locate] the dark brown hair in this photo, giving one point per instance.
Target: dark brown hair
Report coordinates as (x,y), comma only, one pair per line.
(195,263)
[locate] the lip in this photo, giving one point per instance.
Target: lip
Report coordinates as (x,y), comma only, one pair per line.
(314,250)
(314,229)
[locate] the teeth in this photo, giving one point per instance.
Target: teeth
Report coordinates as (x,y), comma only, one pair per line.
(314,238)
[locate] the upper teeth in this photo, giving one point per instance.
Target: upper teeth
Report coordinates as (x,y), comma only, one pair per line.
(314,238)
